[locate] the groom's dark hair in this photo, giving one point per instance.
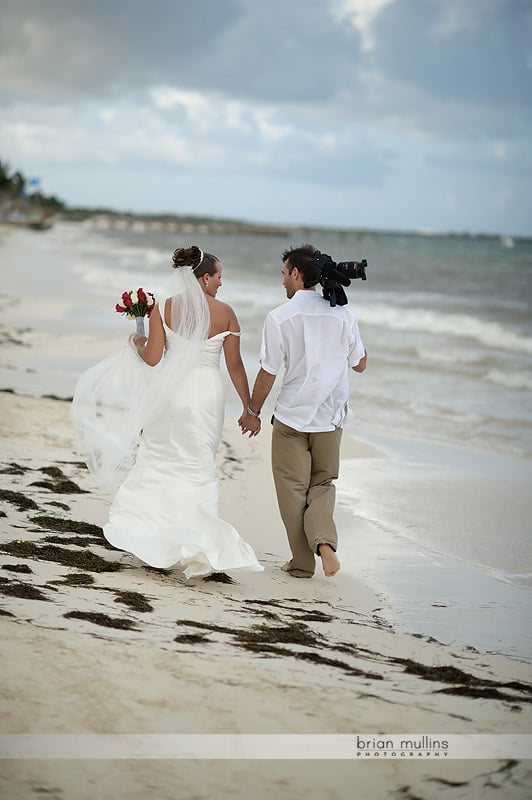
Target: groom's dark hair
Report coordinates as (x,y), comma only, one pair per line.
(301,257)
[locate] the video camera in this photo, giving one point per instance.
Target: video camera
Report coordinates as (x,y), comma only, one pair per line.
(333,276)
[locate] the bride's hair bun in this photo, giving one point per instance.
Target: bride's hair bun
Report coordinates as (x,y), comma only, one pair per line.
(186,257)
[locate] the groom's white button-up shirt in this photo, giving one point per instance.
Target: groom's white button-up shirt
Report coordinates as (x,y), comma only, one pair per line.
(317,344)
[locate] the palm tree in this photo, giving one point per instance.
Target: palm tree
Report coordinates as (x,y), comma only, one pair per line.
(15,203)
(18,182)
(5,180)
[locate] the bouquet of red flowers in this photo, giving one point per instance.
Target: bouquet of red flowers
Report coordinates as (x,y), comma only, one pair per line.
(136,305)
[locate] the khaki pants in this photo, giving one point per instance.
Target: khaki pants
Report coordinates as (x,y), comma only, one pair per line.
(304,468)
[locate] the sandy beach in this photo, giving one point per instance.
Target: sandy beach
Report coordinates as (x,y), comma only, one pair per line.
(93,642)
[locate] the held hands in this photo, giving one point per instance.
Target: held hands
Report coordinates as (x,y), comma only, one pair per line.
(249,424)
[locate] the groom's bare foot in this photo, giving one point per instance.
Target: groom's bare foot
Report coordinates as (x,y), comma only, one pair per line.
(329,560)
(296,573)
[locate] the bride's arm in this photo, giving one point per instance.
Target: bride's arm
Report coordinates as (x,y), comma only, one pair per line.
(151,349)
(233,359)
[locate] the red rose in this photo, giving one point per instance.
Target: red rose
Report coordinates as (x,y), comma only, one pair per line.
(127,300)
(119,308)
(141,295)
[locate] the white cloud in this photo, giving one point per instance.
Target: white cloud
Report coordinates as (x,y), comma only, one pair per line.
(363,14)
(269,129)
(170,96)
(237,117)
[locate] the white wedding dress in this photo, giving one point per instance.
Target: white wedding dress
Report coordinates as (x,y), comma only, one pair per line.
(154,433)
(166,510)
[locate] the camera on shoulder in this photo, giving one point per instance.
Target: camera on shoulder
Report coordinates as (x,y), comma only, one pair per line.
(335,275)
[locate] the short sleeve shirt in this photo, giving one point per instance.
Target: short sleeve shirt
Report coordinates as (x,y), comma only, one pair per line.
(317,345)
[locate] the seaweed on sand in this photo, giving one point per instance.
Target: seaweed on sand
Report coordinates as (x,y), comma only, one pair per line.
(18,568)
(260,636)
(17,499)
(483,693)
(467,685)
(292,633)
(53,472)
(59,483)
(266,640)
(13,469)
(219,577)
(102,619)
(307,615)
(79,541)
(192,638)
(56,397)
(80,559)
(91,534)
(60,487)
(316,616)
(19,589)
(76,579)
(134,600)
(71,525)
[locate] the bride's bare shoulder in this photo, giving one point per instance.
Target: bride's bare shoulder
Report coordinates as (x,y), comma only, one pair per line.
(222,315)
(221,307)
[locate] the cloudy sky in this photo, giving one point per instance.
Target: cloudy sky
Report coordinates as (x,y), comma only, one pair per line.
(387,114)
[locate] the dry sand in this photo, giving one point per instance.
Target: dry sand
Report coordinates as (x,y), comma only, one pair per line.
(93,642)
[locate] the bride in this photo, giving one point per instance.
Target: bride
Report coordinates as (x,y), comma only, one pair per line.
(165,512)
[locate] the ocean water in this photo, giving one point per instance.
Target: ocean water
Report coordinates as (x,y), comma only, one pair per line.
(447,322)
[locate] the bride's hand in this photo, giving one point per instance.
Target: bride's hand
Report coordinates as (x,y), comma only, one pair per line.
(137,340)
(249,424)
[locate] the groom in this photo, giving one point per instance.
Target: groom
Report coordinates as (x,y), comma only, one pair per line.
(317,344)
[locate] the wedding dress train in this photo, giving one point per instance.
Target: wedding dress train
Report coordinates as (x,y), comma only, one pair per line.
(155,432)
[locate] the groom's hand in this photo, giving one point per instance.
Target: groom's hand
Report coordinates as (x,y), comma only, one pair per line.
(249,424)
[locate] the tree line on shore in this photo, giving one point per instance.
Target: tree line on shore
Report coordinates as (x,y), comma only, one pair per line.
(22,202)
(20,195)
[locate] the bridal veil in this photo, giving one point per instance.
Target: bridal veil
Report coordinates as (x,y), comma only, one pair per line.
(116,398)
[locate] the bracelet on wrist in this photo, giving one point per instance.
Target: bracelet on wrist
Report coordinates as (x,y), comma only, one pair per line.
(253,413)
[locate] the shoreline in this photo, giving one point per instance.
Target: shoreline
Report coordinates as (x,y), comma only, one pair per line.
(384,563)
(435,552)
(445,604)
(240,501)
